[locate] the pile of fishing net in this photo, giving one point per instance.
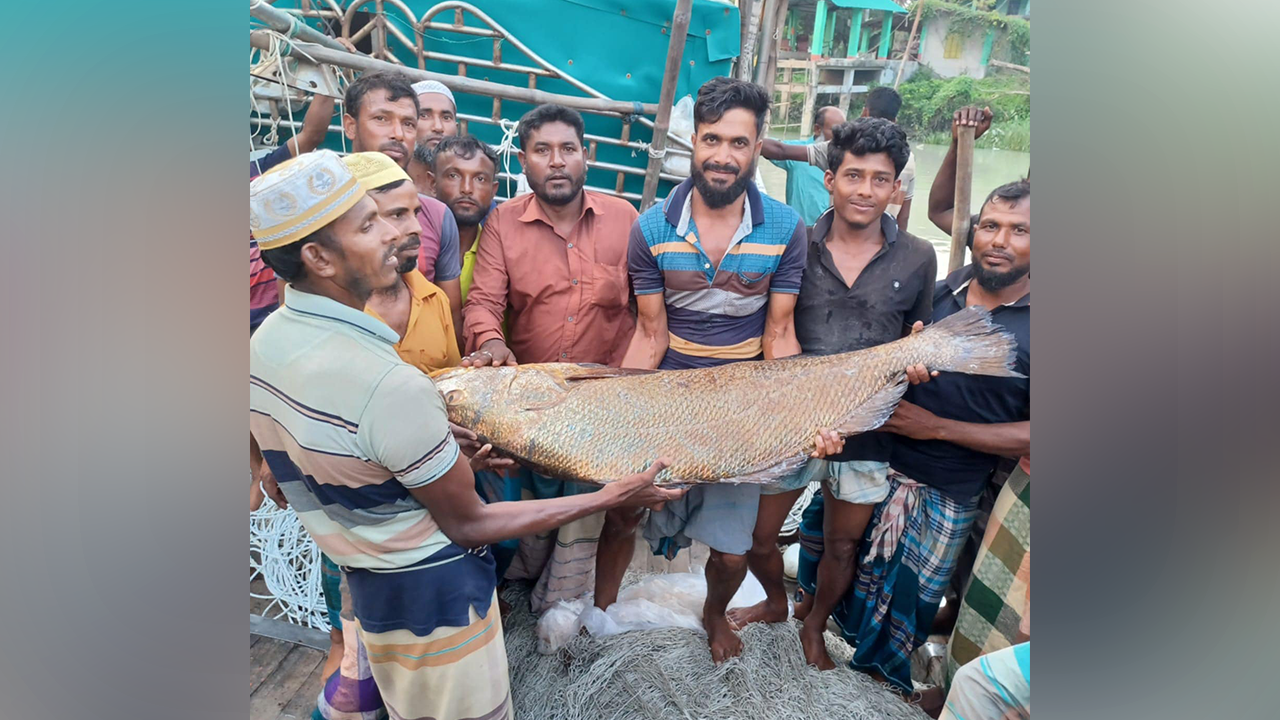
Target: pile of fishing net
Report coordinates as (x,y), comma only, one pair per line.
(667,674)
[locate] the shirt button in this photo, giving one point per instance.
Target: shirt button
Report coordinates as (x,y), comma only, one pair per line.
(571,245)
(706,266)
(564,355)
(570,318)
(574,281)
(895,284)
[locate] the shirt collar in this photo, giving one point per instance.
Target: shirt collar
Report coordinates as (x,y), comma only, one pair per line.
(419,286)
(533,211)
(679,210)
(822,227)
(330,309)
(960,279)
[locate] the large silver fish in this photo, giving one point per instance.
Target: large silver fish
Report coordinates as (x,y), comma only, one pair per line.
(743,422)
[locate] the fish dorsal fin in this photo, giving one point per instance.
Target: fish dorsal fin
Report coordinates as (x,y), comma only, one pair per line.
(547,385)
(872,413)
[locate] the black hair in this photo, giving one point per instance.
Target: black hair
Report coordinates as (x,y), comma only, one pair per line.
(722,94)
(465,147)
(1011,193)
(884,102)
(549,113)
(397,86)
(286,260)
(867,136)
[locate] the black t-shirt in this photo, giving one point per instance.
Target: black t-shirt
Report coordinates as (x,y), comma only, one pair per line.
(957,471)
(893,291)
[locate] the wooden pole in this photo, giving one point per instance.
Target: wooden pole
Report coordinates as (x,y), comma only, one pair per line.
(964,190)
(670,77)
(906,53)
(747,42)
(363,63)
(768,47)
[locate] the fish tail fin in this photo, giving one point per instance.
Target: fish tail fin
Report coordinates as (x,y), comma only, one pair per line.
(971,342)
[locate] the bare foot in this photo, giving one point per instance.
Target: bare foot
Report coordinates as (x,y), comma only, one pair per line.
(803,607)
(725,643)
(815,647)
(763,611)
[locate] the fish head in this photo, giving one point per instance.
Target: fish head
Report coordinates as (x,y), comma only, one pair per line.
(470,392)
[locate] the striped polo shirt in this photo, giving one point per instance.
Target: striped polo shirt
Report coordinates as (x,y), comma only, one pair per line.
(348,428)
(716,315)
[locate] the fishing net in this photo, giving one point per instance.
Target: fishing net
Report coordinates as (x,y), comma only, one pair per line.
(287,560)
(668,675)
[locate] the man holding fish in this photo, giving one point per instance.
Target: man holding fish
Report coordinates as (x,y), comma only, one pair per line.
(360,444)
(866,282)
(716,270)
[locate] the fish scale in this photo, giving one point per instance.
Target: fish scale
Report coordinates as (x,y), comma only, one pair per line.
(749,421)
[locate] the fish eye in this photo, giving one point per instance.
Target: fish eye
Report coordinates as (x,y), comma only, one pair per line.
(453,397)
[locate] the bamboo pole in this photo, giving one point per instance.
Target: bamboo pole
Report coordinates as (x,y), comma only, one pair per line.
(670,76)
(363,63)
(283,22)
(906,52)
(964,191)
(746,38)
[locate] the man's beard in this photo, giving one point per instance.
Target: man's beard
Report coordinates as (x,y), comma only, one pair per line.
(470,218)
(559,198)
(716,196)
(408,265)
(994,281)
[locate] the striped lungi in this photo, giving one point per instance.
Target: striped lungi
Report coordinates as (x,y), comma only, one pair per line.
(904,564)
(561,561)
(433,637)
(350,693)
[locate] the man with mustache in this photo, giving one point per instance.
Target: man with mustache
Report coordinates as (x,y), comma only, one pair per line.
(716,269)
(952,434)
(412,306)
(866,283)
(550,285)
(437,120)
(381,115)
(464,172)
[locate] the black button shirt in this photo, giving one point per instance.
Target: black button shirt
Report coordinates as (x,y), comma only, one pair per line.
(957,471)
(892,292)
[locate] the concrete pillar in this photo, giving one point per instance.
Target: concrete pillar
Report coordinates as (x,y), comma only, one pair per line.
(819,29)
(886,35)
(855,33)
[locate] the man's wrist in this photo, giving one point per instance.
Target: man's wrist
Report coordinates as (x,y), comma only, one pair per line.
(492,344)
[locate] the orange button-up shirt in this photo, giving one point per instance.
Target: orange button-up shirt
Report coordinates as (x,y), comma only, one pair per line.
(428,343)
(568,296)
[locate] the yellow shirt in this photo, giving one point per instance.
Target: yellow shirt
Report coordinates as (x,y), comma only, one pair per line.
(429,342)
(469,263)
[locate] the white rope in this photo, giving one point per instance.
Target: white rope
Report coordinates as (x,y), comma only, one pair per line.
(288,561)
(507,147)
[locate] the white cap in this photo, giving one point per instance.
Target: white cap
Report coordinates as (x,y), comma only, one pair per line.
(424,87)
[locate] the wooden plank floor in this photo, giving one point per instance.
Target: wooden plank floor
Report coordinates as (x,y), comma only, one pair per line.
(284,679)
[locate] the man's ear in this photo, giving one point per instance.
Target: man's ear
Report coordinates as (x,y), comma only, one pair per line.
(349,126)
(520,158)
(318,260)
(829,180)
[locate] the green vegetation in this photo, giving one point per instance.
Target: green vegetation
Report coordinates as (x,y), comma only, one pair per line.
(928,103)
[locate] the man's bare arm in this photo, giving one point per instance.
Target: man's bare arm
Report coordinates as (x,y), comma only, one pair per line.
(650,340)
(1005,439)
(315,126)
(775,150)
(942,196)
(780,327)
(470,522)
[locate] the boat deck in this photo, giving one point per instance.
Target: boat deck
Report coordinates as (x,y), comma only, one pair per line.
(284,678)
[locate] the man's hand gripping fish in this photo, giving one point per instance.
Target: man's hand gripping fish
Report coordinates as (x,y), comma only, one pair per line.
(742,422)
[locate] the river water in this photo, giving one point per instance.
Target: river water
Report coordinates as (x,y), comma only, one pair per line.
(991,168)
